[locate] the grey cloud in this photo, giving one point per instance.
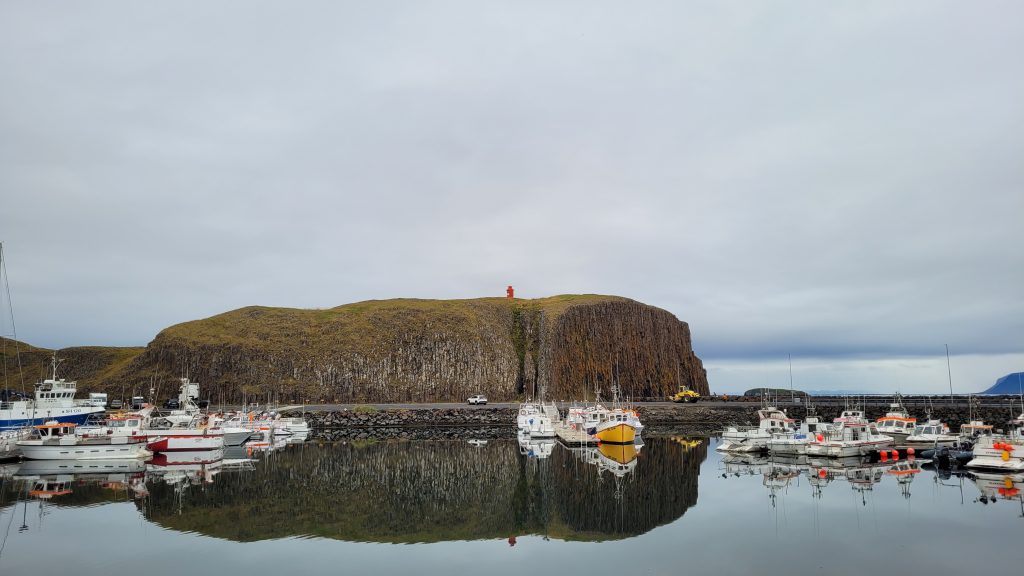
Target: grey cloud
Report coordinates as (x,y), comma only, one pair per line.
(816,178)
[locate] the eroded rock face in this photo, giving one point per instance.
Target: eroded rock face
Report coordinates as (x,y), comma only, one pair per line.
(566,347)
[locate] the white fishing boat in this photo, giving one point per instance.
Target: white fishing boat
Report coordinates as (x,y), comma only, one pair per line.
(539,426)
(931,434)
(54,400)
(295,425)
(794,442)
(771,421)
(527,410)
(897,422)
(850,437)
(1001,452)
(57,441)
(971,432)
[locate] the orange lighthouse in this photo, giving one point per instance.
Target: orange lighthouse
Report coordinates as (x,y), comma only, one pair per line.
(510,293)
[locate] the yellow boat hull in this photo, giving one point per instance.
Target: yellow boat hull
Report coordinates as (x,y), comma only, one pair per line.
(618,434)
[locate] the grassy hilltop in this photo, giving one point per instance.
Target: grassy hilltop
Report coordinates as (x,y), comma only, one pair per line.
(413,350)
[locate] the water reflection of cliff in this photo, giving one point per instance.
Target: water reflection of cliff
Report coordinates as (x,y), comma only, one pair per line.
(434,491)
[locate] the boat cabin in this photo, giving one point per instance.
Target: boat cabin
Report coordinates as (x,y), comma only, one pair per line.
(850,416)
(975,429)
(53,430)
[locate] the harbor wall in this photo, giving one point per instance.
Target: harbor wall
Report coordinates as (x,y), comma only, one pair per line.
(709,418)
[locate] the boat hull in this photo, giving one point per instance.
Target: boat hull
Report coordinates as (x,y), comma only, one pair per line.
(788,448)
(188,443)
(986,456)
(618,433)
(11,420)
(844,450)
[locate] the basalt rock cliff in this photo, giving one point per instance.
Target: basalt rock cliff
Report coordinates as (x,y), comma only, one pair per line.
(405,350)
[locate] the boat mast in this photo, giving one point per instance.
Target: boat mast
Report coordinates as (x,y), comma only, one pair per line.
(792,397)
(950,374)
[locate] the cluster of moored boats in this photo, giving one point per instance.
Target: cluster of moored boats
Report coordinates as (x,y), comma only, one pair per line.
(55,426)
(595,423)
(977,445)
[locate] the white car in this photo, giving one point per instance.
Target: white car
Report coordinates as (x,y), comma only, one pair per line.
(478,399)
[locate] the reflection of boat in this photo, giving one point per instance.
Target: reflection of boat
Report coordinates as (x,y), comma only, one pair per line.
(998,486)
(44,467)
(861,475)
(186,457)
(619,459)
(57,441)
(535,447)
(755,438)
(905,471)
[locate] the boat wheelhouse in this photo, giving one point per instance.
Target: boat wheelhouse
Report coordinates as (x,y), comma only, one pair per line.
(931,434)
(897,422)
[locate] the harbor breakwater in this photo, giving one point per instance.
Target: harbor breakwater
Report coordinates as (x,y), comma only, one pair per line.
(363,422)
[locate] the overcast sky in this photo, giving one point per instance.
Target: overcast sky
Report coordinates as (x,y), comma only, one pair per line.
(839,181)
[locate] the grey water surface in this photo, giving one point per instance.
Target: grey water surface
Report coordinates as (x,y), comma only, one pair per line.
(501,506)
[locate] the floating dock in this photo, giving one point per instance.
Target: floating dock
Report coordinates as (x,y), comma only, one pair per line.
(572,436)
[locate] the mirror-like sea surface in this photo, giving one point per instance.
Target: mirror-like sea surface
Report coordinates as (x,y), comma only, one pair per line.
(501,506)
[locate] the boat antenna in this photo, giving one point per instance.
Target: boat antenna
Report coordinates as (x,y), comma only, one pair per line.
(950,374)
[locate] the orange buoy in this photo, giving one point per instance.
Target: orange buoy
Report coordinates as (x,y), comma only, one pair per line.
(910,451)
(883,455)
(820,438)
(821,473)
(895,455)
(1006,456)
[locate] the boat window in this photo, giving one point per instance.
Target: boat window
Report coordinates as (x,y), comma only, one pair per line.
(133,422)
(117,423)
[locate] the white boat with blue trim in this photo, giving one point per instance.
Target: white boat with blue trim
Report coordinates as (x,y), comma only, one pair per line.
(54,400)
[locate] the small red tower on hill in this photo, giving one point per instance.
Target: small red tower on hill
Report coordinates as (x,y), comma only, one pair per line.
(510,293)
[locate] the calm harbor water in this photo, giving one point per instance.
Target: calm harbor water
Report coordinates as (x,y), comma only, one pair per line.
(498,507)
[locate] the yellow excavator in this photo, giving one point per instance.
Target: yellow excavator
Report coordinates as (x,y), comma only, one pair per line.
(684,395)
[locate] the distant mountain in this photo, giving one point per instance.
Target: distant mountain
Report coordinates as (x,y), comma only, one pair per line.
(1009,384)
(774,392)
